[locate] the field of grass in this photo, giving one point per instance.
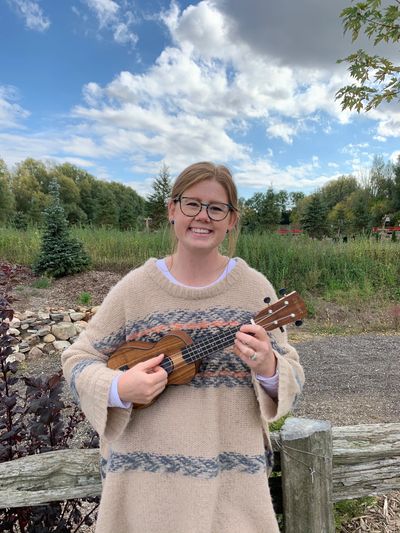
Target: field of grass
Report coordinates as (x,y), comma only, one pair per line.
(361,268)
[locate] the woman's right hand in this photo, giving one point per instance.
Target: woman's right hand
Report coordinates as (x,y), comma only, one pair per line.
(143,382)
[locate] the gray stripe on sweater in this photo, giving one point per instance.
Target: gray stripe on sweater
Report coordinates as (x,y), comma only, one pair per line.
(206,468)
(76,371)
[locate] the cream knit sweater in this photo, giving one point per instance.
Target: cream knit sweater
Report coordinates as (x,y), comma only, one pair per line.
(195,460)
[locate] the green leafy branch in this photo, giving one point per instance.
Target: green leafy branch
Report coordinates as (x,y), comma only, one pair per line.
(377,78)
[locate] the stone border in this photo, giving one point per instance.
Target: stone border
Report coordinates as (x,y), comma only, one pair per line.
(50,332)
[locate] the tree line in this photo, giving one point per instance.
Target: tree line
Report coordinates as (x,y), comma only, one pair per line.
(25,194)
(344,206)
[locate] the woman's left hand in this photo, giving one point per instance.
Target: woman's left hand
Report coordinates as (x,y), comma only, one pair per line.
(254,348)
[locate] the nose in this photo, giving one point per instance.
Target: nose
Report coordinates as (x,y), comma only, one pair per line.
(203,215)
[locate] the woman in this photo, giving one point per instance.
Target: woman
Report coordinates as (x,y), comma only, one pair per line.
(195,460)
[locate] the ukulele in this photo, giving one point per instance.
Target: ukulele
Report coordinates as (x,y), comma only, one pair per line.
(183,357)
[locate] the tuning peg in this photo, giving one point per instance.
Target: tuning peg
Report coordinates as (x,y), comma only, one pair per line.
(282,291)
(267,299)
(298,323)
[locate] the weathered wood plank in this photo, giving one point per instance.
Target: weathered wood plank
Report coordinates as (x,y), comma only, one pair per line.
(366,460)
(306,458)
(51,476)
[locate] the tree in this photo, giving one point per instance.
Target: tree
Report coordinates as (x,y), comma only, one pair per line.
(131,206)
(7,202)
(105,207)
(157,201)
(377,78)
(60,254)
(263,211)
(337,190)
(314,218)
(29,198)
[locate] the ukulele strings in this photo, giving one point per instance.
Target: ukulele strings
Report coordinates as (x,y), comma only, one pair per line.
(199,347)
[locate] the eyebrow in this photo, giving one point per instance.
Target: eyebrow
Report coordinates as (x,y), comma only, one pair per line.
(201,201)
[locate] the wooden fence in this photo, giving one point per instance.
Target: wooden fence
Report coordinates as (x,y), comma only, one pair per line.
(320,465)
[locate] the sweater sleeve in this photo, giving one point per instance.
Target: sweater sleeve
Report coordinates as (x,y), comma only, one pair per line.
(85,366)
(291,380)
(291,375)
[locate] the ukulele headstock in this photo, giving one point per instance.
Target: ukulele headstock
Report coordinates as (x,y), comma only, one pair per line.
(289,308)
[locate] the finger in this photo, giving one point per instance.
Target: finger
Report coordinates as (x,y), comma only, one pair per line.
(249,329)
(152,362)
(157,375)
(254,330)
(245,350)
(244,341)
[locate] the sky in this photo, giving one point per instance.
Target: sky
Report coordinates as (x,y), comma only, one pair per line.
(121,87)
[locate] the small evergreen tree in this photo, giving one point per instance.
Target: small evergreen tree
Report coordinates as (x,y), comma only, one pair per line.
(157,201)
(60,254)
(314,218)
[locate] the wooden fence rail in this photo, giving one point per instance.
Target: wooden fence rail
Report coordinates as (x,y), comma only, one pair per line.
(320,465)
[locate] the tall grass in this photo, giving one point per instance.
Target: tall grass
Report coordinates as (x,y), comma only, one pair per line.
(361,268)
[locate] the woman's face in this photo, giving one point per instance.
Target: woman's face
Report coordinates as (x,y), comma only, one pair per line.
(200,232)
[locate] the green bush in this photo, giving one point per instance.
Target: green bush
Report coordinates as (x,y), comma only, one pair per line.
(60,254)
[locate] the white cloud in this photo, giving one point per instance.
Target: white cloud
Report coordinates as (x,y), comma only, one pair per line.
(262,173)
(114,17)
(395,156)
(105,10)
(32,13)
(11,113)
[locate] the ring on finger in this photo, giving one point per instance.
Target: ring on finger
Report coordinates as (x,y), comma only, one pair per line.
(253,357)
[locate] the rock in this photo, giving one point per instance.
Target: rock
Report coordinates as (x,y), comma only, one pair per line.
(24,326)
(75,317)
(61,345)
(43,316)
(16,356)
(13,331)
(80,326)
(95,309)
(24,347)
(57,317)
(43,331)
(15,322)
(28,321)
(35,353)
(49,338)
(49,348)
(32,340)
(63,330)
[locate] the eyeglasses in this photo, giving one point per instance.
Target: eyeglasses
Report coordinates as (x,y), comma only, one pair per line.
(191,207)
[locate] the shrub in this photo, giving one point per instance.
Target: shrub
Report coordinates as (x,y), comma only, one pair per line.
(60,254)
(33,420)
(85,298)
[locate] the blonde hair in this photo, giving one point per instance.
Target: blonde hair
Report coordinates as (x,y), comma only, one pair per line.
(202,171)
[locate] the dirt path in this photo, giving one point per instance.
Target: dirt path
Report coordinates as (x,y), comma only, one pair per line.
(351,380)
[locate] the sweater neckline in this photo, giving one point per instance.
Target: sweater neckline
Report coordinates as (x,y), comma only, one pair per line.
(194,293)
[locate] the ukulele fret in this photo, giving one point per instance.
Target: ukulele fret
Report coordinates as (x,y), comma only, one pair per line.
(219,341)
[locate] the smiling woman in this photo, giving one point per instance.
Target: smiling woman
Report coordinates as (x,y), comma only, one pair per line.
(189,460)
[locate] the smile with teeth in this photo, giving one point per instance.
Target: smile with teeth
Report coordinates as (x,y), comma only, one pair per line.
(200,230)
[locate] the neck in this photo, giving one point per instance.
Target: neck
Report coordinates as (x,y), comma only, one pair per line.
(196,270)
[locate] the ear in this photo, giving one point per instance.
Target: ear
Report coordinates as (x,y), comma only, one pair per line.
(171,210)
(233,220)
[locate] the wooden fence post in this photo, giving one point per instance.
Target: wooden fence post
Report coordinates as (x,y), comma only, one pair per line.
(306,458)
